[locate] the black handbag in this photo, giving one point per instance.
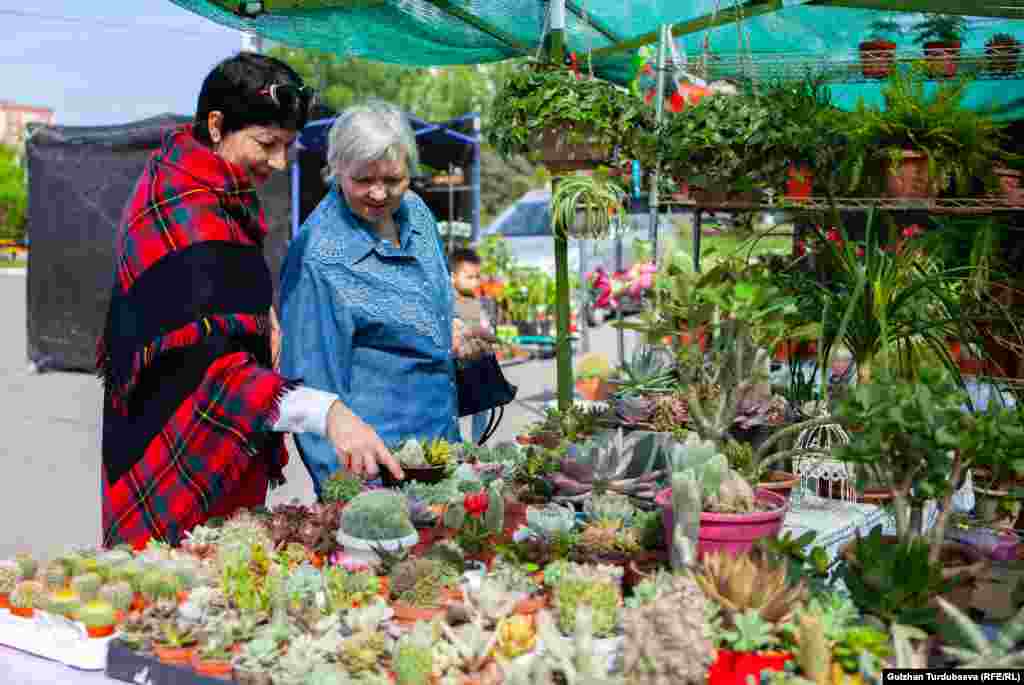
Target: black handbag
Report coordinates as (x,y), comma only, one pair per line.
(481,385)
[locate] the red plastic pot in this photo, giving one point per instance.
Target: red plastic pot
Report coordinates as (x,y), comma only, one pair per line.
(733,668)
(733,533)
(876,58)
(799,182)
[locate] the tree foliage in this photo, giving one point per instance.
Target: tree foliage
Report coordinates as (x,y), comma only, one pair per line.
(13,195)
(434,94)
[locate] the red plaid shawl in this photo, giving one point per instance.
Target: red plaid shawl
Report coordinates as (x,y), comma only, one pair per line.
(185,357)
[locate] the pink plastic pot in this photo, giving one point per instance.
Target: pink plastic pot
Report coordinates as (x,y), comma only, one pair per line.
(733,533)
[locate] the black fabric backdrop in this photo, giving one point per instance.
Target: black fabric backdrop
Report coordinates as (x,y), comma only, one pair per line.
(80,179)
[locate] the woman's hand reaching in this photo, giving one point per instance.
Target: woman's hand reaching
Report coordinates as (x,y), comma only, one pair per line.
(359,448)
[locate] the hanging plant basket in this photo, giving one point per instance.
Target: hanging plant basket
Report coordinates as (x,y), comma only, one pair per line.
(564,149)
(1001,57)
(876,58)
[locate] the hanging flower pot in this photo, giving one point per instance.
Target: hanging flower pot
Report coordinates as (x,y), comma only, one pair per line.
(1002,52)
(942,58)
(565,148)
(799,182)
(876,58)
(910,178)
(1009,185)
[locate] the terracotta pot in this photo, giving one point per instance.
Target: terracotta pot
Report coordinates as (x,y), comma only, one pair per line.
(453,594)
(177,656)
(910,179)
(138,602)
(595,389)
(531,605)
(780,482)
(799,182)
(5,600)
(942,58)
(733,533)
(213,668)
(1009,184)
(876,496)
(1002,58)
(385,586)
(23,612)
(182,596)
(407,614)
(99,631)
(876,58)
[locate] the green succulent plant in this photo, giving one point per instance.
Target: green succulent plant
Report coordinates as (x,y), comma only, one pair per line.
(87,585)
(570,593)
(377,515)
(342,486)
(119,594)
(412,658)
(97,614)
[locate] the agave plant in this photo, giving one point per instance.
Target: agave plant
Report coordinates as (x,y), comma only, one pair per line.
(649,370)
(598,467)
(982,652)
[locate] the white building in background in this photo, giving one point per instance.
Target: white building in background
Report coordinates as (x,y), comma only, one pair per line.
(14,118)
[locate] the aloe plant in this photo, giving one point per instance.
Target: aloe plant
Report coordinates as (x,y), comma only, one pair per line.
(982,652)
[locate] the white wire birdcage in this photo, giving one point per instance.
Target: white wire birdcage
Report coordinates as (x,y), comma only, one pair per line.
(822,478)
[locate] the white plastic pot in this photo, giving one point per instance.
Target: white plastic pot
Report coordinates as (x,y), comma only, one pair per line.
(363,550)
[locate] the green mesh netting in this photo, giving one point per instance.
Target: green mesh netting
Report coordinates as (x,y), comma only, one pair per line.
(421,33)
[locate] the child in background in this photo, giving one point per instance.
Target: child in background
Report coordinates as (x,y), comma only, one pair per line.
(464,265)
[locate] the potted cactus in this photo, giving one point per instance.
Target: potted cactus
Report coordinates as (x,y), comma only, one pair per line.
(27,595)
(99,618)
(418,587)
(376,520)
(426,461)
(8,582)
(213,657)
(254,662)
(87,586)
(1002,51)
(120,596)
(64,602)
(413,656)
(592,373)
(720,511)
(174,643)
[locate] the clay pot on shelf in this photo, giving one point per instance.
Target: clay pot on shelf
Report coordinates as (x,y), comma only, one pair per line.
(1010,186)
(942,58)
(876,58)
(911,178)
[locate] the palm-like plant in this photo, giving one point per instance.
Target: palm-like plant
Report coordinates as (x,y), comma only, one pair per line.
(902,301)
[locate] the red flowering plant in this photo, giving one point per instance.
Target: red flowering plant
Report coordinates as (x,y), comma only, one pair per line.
(477,520)
(895,297)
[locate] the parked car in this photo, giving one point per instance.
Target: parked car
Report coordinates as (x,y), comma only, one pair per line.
(527,226)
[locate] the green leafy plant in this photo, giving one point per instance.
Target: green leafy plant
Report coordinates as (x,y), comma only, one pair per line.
(961,144)
(982,652)
(895,582)
(588,109)
(942,28)
(341,487)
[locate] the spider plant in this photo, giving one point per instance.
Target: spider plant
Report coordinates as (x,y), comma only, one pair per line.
(588,206)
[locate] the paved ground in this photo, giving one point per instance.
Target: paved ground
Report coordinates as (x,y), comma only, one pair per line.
(50,442)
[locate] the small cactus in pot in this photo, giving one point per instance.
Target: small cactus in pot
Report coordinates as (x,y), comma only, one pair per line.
(8,578)
(119,594)
(27,596)
(99,618)
(28,567)
(87,585)
(64,602)
(55,576)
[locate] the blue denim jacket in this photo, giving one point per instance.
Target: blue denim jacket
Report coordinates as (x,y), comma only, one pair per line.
(372,323)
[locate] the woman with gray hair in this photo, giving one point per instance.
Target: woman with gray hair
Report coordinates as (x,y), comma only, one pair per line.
(366,299)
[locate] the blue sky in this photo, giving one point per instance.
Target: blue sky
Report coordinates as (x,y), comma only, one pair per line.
(115,61)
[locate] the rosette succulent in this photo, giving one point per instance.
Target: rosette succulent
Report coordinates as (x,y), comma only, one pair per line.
(600,466)
(377,515)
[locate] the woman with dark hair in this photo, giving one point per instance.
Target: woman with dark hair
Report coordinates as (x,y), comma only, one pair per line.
(194,415)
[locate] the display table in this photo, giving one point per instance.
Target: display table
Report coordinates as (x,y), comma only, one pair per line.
(834,522)
(27,669)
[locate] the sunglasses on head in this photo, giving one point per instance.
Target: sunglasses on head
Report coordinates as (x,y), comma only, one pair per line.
(290,98)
